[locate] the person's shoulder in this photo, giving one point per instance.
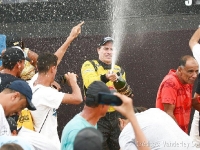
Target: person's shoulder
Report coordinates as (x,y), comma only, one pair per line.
(126,131)
(196,47)
(7,79)
(89,63)
(170,77)
(8,76)
(76,122)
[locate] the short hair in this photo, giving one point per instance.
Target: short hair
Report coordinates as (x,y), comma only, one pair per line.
(7,91)
(11,146)
(136,110)
(184,59)
(45,61)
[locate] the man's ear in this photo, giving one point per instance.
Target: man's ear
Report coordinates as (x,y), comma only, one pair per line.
(121,126)
(180,68)
(53,69)
(15,96)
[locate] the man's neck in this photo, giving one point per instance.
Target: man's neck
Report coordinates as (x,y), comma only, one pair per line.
(11,72)
(104,65)
(43,79)
(90,115)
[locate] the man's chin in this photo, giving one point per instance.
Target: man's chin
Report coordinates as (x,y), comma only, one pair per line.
(108,61)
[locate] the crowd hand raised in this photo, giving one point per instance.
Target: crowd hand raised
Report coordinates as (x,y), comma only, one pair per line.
(71,78)
(126,109)
(111,76)
(76,30)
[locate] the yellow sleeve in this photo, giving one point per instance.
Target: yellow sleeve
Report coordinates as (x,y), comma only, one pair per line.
(89,74)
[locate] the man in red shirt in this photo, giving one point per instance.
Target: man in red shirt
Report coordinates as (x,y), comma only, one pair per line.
(175,92)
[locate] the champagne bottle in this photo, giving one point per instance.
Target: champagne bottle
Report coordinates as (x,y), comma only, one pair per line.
(121,86)
(119,83)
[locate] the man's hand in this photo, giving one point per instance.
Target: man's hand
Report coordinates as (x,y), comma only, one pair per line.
(111,76)
(71,78)
(76,30)
(126,109)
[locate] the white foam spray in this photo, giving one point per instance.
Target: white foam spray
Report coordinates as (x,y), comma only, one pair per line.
(118,24)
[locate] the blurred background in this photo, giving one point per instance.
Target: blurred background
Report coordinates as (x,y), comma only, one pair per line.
(151,37)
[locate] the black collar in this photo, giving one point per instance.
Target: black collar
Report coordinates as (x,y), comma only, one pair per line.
(104,65)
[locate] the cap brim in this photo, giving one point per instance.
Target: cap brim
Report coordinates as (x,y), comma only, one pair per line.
(106,42)
(30,105)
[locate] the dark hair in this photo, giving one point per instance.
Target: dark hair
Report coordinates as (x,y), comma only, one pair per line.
(139,109)
(45,61)
(13,40)
(184,59)
(136,110)
(11,146)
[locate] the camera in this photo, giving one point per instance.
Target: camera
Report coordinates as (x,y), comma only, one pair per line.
(62,80)
(109,99)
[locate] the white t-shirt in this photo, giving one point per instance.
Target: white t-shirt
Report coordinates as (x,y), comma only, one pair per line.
(37,140)
(4,139)
(4,126)
(161,131)
(196,53)
(46,100)
(194,131)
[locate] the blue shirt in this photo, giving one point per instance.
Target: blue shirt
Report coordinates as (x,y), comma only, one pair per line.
(70,131)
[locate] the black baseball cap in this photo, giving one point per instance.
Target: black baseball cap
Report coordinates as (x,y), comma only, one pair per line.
(105,40)
(13,40)
(92,93)
(23,88)
(12,55)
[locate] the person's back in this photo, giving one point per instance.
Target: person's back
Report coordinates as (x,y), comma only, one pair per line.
(161,131)
(47,99)
(71,129)
(89,116)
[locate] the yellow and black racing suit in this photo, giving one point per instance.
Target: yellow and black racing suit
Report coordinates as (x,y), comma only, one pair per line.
(95,70)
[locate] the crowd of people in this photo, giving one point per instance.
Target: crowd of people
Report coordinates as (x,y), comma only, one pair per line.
(29,93)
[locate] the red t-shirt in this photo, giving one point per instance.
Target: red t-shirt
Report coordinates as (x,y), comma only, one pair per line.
(172,91)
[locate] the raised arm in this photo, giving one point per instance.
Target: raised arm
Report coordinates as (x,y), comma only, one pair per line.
(194,39)
(33,57)
(76,96)
(74,33)
(126,109)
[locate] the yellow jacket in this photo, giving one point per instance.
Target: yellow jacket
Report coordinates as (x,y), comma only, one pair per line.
(92,73)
